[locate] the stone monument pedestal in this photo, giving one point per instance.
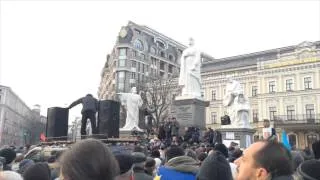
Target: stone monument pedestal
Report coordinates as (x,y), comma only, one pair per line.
(242,136)
(190,112)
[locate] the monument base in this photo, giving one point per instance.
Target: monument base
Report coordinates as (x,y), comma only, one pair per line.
(125,133)
(241,136)
(190,112)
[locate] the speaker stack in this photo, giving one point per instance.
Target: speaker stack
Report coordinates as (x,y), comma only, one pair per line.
(108,118)
(57,123)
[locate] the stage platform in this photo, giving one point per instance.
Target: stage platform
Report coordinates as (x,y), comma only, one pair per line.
(64,140)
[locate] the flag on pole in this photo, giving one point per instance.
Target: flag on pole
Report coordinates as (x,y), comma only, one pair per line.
(285,141)
(42,137)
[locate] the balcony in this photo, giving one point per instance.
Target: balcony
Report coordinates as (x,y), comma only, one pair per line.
(299,120)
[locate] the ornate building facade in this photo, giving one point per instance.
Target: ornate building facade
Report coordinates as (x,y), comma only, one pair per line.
(282,84)
(140,52)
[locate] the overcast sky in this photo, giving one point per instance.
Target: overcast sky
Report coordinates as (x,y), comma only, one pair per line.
(52,52)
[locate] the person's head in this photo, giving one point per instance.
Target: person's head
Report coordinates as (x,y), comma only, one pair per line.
(316,149)
(202,156)
(174,151)
(39,171)
(24,165)
(139,159)
(9,154)
(10,175)
(125,162)
(150,165)
(264,160)
(297,158)
(215,166)
(266,123)
(309,170)
(88,160)
(155,153)
(89,95)
(237,153)
(222,148)
(191,153)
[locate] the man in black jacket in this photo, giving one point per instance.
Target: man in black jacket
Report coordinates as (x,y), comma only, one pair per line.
(89,109)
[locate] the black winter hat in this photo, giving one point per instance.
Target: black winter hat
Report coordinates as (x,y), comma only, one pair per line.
(215,166)
(222,148)
(309,170)
(125,162)
(39,171)
(9,154)
(138,157)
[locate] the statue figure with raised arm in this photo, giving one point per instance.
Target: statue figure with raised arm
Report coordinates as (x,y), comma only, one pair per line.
(237,104)
(132,102)
(190,78)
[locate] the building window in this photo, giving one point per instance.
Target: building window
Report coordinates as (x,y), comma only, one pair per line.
(154,61)
(133,64)
(160,44)
(162,65)
(213,95)
(170,69)
(162,54)
(307,83)
(213,118)
(153,50)
(143,57)
(133,75)
(138,45)
(161,74)
(171,58)
(255,115)
(121,86)
(143,70)
(292,140)
(289,84)
(290,113)
(137,31)
(134,53)
(122,62)
(310,114)
(254,91)
(272,86)
(122,52)
(272,113)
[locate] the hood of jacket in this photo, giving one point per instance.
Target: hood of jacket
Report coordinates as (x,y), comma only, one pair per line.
(184,164)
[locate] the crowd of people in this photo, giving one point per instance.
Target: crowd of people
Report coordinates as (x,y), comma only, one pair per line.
(91,159)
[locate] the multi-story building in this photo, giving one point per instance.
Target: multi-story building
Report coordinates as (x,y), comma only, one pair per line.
(282,84)
(140,52)
(19,125)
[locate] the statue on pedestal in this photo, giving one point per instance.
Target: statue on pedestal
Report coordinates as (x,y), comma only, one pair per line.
(237,104)
(190,77)
(132,101)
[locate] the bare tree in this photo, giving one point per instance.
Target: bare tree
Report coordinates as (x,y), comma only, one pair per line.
(157,94)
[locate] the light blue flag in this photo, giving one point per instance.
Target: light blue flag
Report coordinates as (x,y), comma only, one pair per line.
(285,140)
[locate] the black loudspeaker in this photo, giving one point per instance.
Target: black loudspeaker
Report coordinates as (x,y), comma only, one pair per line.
(57,123)
(108,118)
(225,120)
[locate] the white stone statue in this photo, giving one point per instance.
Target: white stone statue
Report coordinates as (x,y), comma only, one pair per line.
(237,104)
(132,101)
(190,77)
